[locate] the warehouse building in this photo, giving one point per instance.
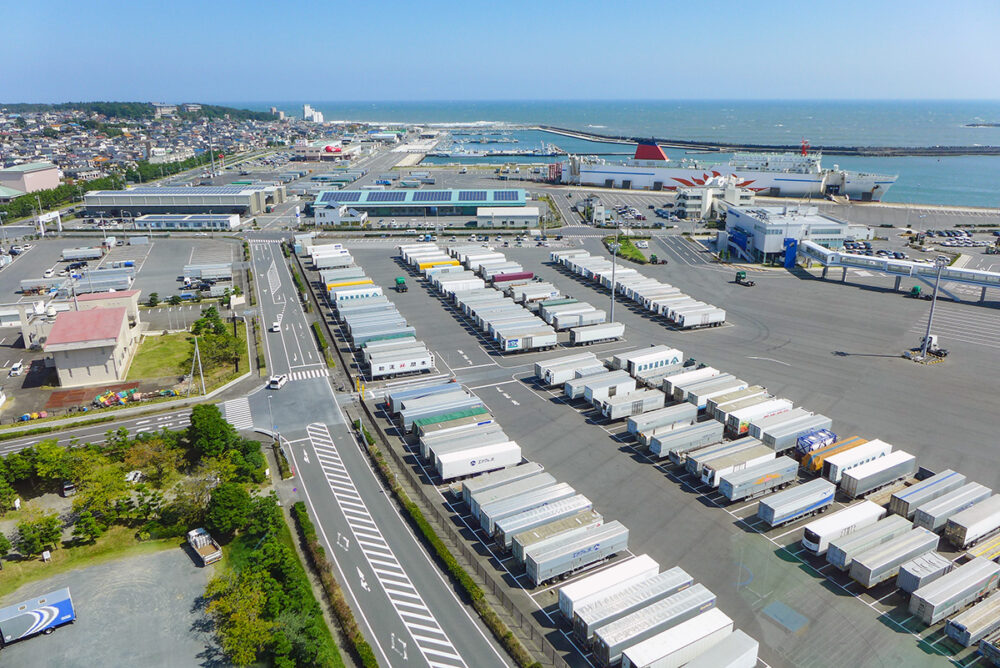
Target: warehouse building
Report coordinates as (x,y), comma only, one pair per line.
(205,222)
(245,200)
(507,216)
(420,202)
(29,177)
(96,343)
(771,233)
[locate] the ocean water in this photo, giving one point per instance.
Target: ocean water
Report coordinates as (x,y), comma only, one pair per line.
(964,180)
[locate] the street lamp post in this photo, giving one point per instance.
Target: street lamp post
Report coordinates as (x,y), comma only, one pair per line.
(614,265)
(940,262)
(270,414)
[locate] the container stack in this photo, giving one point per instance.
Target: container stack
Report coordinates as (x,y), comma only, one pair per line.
(634,615)
(662,299)
(378,333)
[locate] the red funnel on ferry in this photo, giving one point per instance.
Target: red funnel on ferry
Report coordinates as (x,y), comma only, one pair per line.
(650,151)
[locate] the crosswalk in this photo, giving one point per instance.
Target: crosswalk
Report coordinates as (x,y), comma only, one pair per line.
(968,324)
(430,638)
(237,413)
(309,373)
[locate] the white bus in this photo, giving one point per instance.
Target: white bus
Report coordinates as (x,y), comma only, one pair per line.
(817,535)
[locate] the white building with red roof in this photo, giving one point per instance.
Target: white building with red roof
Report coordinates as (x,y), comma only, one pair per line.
(95,342)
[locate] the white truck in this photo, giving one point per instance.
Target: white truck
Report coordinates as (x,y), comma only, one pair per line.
(204,545)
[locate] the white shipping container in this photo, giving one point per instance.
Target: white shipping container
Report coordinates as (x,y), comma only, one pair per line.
(619,576)
(478,460)
(678,645)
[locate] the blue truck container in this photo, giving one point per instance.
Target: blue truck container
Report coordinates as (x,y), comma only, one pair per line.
(38,615)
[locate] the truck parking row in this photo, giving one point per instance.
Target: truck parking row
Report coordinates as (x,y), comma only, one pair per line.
(747,444)
(380,336)
(662,299)
(503,301)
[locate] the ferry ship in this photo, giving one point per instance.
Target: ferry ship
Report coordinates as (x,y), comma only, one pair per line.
(771,174)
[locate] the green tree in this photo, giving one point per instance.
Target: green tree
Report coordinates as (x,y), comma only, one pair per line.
(27,539)
(154,298)
(175,300)
(221,349)
(264,516)
(20,466)
(51,463)
(238,608)
(49,530)
(100,491)
(117,444)
(7,496)
(228,509)
(5,548)
(87,529)
(148,502)
(157,456)
(209,433)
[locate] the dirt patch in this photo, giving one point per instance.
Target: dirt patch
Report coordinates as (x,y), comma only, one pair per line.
(83,396)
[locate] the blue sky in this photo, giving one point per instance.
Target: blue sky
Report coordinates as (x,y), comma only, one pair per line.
(252,50)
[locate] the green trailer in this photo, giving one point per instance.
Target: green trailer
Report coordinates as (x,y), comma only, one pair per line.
(456,419)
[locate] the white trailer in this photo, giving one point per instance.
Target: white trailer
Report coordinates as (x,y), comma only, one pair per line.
(816,535)
(710,317)
(612,579)
(605,387)
(586,335)
(737,650)
(834,466)
(478,460)
(563,321)
(670,383)
(676,646)
(561,560)
(632,403)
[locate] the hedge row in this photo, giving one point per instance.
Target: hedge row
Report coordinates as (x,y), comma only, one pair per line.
(345,617)
(473,590)
(284,470)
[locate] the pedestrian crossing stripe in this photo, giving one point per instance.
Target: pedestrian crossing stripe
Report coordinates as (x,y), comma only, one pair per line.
(432,640)
(308,373)
(237,413)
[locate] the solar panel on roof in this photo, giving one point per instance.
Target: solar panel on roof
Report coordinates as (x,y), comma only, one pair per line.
(471,195)
(385,196)
(346,196)
(505,195)
(432,196)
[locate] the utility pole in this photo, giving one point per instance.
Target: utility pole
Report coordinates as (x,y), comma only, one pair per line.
(614,265)
(940,262)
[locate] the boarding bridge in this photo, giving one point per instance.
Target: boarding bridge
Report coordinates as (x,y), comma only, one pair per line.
(899,268)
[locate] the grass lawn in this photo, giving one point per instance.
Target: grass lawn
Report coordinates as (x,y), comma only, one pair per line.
(116,543)
(159,356)
(626,249)
(170,355)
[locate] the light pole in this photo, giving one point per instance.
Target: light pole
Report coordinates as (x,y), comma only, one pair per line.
(940,262)
(271,416)
(614,265)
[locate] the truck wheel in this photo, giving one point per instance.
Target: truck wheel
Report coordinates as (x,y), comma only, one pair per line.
(48,631)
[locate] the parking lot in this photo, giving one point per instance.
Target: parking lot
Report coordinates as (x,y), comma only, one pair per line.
(126,616)
(831,348)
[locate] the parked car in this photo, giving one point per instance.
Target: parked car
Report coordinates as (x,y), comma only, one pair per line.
(16,369)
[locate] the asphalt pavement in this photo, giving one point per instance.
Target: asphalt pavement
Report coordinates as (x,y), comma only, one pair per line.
(405,607)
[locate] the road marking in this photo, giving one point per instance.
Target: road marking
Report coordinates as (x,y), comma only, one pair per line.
(376,549)
(237,413)
(768,359)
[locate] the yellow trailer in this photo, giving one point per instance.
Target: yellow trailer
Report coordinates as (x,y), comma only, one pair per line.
(439,263)
(348,283)
(814,460)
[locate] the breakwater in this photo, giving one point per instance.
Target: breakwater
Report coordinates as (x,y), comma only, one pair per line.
(726,147)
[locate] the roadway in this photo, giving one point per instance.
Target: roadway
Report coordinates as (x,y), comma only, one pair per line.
(405,607)
(174,420)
